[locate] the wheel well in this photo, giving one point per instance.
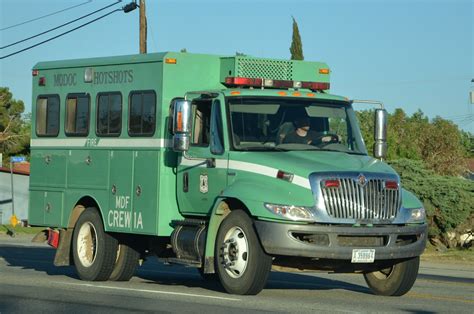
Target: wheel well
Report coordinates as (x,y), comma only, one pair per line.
(81,205)
(235,203)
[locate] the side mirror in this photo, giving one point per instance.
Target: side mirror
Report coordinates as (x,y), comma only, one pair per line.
(380,133)
(181,125)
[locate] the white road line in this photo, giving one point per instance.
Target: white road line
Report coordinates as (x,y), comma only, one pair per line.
(149,291)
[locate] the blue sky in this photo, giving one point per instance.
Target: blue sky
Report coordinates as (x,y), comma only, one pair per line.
(410,54)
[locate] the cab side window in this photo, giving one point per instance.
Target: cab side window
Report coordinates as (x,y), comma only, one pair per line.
(201,122)
(109,114)
(142,113)
(77,115)
(47,115)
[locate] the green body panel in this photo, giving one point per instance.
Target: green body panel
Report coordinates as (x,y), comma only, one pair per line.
(409,200)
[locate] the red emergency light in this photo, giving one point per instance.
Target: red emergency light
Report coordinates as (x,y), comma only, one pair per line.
(391,185)
(332,183)
(232,81)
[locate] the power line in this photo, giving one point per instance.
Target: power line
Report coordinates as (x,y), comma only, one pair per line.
(42,17)
(62,34)
(62,25)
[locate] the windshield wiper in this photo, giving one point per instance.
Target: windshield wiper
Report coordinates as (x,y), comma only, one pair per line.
(263,149)
(334,150)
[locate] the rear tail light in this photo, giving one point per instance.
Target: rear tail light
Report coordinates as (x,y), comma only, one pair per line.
(53,238)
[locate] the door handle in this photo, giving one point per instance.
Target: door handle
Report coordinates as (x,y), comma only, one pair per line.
(185,182)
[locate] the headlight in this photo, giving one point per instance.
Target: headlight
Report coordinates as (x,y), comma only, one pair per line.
(417,215)
(297,213)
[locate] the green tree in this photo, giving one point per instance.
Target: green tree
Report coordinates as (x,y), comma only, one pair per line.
(296,47)
(14,130)
(442,150)
(439,144)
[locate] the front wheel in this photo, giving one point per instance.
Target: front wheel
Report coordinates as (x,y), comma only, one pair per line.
(94,250)
(242,265)
(395,280)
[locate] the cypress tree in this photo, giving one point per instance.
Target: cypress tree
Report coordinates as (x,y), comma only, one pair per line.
(296,47)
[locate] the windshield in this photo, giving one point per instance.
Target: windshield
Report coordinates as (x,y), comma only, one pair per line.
(274,123)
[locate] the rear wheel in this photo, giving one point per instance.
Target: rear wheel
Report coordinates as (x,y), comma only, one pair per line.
(242,265)
(395,280)
(94,251)
(126,263)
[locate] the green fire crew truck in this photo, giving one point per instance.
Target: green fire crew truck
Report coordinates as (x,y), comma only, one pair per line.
(227,164)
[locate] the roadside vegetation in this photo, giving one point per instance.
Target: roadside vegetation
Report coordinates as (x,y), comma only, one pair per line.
(431,159)
(15,127)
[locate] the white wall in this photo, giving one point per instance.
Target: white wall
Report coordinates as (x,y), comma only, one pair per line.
(21,183)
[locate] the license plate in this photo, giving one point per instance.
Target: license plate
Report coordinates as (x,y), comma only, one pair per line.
(363,255)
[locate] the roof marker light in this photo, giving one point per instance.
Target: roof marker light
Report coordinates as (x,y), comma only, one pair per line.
(170,60)
(281,93)
(296,94)
(310,94)
(235,92)
(35,72)
(324,71)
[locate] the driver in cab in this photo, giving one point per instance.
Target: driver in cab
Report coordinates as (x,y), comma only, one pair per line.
(303,135)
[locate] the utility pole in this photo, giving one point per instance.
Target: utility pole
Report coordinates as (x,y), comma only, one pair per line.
(142,27)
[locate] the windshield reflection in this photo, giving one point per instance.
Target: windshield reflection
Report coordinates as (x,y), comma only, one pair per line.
(289,124)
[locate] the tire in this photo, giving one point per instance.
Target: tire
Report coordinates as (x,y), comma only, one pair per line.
(94,251)
(242,265)
(125,264)
(395,280)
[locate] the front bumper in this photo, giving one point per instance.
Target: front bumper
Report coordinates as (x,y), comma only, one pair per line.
(337,242)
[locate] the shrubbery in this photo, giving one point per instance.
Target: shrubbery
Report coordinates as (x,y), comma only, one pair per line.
(449,201)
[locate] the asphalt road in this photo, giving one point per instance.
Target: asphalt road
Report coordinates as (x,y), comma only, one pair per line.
(30,283)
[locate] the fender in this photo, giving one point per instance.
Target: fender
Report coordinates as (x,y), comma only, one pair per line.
(409,200)
(253,193)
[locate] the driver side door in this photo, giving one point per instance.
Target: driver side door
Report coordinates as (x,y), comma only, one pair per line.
(202,170)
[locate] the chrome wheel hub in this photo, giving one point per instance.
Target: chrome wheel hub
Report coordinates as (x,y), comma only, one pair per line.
(234,252)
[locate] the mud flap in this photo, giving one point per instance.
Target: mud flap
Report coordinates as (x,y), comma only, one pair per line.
(63,253)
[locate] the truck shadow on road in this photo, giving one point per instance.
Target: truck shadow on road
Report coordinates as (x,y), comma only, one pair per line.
(153,272)
(156,273)
(36,258)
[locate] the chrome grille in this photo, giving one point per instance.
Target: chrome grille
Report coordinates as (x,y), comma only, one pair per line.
(354,201)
